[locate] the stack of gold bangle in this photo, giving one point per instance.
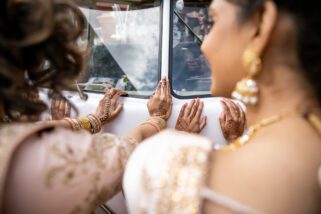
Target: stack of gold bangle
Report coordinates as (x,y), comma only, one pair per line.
(157,122)
(95,123)
(73,123)
(90,123)
(84,123)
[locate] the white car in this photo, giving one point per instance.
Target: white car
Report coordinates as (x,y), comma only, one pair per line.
(131,45)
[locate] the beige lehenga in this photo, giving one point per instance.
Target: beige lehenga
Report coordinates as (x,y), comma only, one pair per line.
(45,169)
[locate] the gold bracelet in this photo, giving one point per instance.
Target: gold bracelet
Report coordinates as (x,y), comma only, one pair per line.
(85,123)
(70,123)
(77,124)
(152,124)
(93,126)
(73,123)
(95,123)
(157,122)
(96,119)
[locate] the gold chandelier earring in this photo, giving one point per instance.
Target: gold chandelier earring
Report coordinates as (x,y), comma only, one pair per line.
(247,89)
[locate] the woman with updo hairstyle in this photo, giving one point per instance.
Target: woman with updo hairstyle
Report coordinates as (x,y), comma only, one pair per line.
(266,54)
(57,166)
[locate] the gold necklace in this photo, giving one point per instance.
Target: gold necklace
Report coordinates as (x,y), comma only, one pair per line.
(251,131)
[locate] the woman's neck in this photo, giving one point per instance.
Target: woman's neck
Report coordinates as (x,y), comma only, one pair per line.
(281,90)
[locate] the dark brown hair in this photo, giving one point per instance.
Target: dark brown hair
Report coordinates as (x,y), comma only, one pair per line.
(37,49)
(307,17)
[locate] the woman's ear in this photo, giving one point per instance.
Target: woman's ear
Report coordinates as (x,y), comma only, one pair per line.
(266,25)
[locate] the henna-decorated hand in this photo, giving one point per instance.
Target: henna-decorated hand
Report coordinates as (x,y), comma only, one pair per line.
(160,104)
(108,107)
(232,120)
(60,108)
(189,117)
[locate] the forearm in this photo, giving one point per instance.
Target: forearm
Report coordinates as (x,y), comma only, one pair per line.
(142,132)
(147,129)
(60,123)
(90,123)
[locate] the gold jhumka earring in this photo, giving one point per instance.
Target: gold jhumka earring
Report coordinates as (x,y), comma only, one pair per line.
(247,89)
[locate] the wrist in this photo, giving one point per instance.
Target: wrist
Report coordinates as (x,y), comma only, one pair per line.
(103,120)
(90,123)
(156,122)
(95,123)
(231,138)
(164,115)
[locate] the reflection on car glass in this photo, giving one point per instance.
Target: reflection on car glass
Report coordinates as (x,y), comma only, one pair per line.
(189,64)
(124,48)
(199,39)
(190,69)
(191,74)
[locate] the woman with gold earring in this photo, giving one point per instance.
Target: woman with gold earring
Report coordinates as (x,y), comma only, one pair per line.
(265,53)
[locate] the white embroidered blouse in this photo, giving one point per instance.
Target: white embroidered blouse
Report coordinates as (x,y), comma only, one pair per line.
(167,174)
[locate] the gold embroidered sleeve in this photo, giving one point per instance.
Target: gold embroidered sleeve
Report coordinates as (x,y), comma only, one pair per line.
(68,172)
(101,163)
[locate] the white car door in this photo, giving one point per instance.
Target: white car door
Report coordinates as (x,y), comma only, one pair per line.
(131,46)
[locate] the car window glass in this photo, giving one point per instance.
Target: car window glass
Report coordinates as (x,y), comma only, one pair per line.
(191,75)
(123,47)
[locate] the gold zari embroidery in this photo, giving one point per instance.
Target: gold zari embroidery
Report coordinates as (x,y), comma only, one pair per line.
(178,189)
(89,163)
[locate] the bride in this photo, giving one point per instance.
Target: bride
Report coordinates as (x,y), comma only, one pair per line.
(267,54)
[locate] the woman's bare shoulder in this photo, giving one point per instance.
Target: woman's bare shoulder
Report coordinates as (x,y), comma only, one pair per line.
(277,167)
